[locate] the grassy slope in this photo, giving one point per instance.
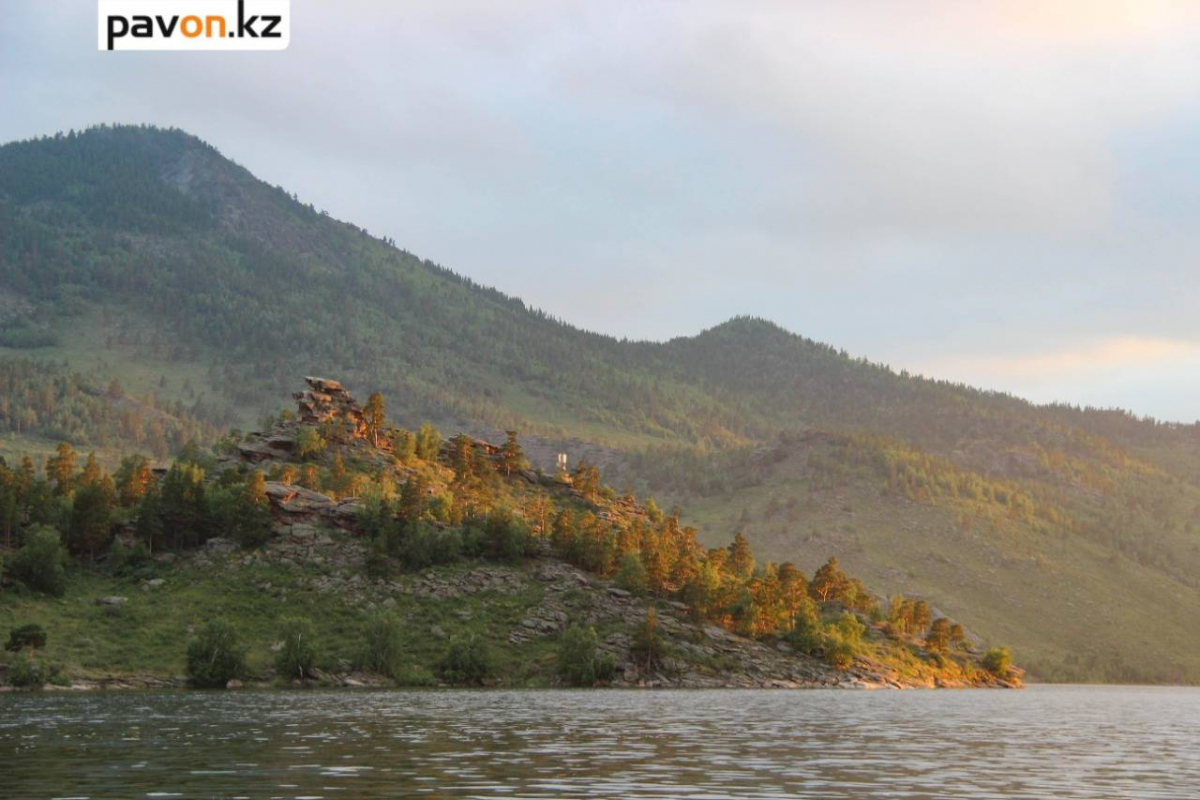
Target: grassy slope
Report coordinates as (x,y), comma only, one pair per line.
(147,634)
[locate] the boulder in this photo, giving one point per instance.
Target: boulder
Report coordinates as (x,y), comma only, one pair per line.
(292,499)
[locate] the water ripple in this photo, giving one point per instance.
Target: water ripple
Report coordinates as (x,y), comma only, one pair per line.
(1064,742)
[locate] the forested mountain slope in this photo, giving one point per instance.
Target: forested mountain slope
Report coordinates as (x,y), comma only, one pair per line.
(144,255)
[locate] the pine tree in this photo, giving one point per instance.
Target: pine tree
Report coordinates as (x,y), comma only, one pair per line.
(563,532)
(183,511)
(148,526)
(429,442)
(828,581)
(587,480)
(921,616)
(252,523)
(133,478)
(412,498)
(647,645)
(374,416)
(462,458)
(512,457)
(741,559)
(60,468)
(91,516)
(793,588)
(938,638)
(91,471)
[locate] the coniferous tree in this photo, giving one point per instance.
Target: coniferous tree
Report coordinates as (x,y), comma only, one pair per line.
(741,559)
(148,525)
(512,457)
(91,516)
(937,640)
(921,616)
(60,468)
(182,510)
(587,480)
(374,416)
(429,442)
(252,516)
(412,498)
(133,478)
(828,581)
(957,635)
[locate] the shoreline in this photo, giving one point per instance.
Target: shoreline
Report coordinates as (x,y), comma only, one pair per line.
(364,682)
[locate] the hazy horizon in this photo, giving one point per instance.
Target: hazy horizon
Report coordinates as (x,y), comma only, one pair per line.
(995,194)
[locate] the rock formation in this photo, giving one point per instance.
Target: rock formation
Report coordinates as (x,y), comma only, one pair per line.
(327,404)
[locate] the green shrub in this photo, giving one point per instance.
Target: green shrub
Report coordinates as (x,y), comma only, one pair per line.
(579,664)
(507,537)
(849,627)
(838,643)
(422,545)
(842,641)
(409,675)
(41,563)
(839,652)
(632,575)
(30,673)
(382,649)
(215,656)
(807,634)
(309,442)
(467,661)
(298,655)
(998,661)
(809,641)
(26,637)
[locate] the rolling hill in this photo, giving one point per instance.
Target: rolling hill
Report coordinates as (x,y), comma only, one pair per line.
(143,256)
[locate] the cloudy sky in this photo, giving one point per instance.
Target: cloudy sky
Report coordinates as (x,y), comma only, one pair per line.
(1005,194)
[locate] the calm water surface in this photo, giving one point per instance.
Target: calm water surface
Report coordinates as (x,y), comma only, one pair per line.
(1073,742)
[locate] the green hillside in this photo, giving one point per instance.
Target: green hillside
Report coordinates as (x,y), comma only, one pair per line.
(145,256)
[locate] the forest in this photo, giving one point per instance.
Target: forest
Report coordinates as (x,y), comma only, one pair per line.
(422,503)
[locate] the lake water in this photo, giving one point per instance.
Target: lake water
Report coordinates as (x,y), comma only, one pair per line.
(1072,742)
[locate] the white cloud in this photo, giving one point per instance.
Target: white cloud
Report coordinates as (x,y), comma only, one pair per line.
(934,183)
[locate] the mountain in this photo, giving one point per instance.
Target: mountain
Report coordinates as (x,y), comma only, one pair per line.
(143,256)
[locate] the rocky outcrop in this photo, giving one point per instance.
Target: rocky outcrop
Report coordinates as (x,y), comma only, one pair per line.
(292,504)
(257,448)
(327,404)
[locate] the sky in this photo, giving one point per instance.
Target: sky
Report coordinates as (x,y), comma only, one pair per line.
(1004,194)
